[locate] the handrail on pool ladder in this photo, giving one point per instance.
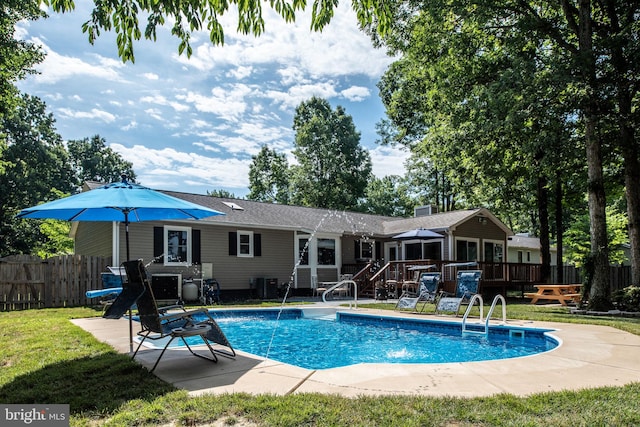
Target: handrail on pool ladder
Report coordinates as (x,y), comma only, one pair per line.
(339,284)
(488,318)
(474,298)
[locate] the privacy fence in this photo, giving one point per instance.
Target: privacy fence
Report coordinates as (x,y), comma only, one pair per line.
(31,282)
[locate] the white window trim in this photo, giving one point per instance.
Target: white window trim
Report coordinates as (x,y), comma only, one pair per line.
(312,252)
(373,248)
(298,248)
(168,228)
(467,239)
(495,242)
(336,249)
(244,233)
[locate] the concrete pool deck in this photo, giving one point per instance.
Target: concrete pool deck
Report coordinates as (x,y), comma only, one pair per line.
(590,356)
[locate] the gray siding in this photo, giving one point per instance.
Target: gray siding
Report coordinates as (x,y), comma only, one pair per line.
(93,239)
(231,271)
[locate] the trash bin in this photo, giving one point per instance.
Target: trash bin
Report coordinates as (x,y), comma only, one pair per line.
(110,280)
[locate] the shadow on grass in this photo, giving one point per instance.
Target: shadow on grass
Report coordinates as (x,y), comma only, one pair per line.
(100,383)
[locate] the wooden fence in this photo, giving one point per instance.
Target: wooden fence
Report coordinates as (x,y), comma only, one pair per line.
(31,282)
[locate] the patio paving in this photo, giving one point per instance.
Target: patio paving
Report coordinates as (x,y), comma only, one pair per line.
(590,356)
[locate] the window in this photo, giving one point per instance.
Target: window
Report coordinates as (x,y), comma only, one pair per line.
(493,251)
(177,245)
(520,257)
(326,252)
(303,251)
(412,251)
(466,250)
(245,243)
(432,250)
(366,249)
(528,256)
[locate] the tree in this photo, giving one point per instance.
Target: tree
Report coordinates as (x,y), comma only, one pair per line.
(17,57)
(187,17)
(224,194)
(38,170)
(94,161)
(333,169)
(589,48)
(388,196)
(269,177)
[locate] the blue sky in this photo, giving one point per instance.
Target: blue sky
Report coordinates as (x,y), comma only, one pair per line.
(192,124)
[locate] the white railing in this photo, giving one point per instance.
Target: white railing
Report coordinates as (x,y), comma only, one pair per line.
(339,285)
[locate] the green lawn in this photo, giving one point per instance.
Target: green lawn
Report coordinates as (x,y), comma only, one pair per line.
(44,358)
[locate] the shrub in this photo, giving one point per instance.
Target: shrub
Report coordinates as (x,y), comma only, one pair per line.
(628,299)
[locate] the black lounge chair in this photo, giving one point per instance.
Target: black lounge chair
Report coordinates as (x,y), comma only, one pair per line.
(158,323)
(125,300)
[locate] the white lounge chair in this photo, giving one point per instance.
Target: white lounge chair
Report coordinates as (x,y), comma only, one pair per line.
(467,285)
(428,291)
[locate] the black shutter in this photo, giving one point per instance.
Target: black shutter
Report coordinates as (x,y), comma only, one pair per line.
(257,244)
(158,241)
(233,243)
(378,250)
(196,257)
(357,249)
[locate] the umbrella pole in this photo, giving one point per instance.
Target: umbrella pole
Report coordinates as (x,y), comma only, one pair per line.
(126,236)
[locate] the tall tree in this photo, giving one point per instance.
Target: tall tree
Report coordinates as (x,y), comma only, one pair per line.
(269,177)
(333,169)
(388,196)
(38,170)
(576,37)
(94,161)
(17,57)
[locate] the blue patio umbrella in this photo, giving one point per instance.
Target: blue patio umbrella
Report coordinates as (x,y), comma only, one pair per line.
(119,201)
(418,233)
(123,202)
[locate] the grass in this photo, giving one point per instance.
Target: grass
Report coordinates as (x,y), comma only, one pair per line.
(44,358)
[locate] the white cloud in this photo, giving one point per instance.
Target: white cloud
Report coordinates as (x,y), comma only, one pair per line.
(169,169)
(388,160)
(240,73)
(297,94)
(102,115)
(356,93)
(58,67)
(151,76)
(161,100)
(227,103)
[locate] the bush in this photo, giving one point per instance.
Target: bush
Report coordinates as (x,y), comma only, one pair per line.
(628,299)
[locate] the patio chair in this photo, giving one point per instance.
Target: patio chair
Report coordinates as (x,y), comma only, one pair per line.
(125,300)
(159,323)
(467,285)
(429,283)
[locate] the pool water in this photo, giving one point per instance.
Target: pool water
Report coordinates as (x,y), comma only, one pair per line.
(358,338)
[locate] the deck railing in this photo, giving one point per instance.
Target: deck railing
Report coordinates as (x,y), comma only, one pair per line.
(503,275)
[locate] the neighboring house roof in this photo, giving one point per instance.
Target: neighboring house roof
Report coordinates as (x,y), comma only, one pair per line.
(519,241)
(248,213)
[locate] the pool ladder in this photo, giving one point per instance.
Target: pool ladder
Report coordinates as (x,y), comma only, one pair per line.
(478,297)
(340,284)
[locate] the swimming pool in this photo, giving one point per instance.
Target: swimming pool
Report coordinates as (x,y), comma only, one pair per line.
(313,340)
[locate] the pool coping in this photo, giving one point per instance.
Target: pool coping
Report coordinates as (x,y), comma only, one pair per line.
(590,356)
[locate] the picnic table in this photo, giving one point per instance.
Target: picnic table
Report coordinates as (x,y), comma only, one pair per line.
(556,292)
